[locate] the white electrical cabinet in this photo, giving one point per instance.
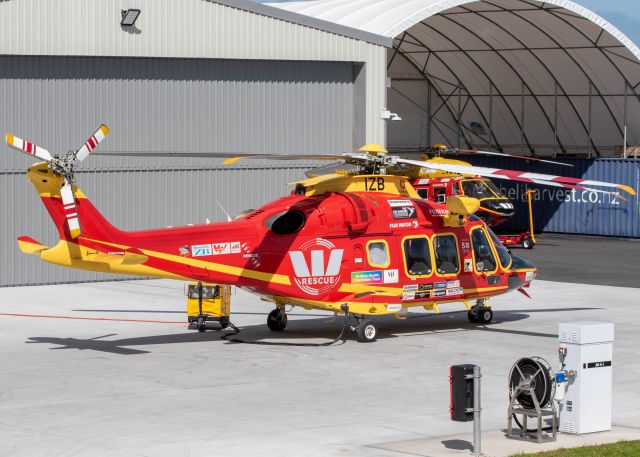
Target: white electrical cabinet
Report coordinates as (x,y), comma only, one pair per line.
(589,351)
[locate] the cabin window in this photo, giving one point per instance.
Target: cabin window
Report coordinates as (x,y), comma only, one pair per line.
(417,256)
(446,252)
(439,194)
(424,193)
(378,254)
(482,253)
(455,188)
(285,223)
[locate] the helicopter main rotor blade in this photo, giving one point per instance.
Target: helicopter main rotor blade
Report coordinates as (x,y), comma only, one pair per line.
(512,175)
(515,156)
(91,143)
(221,155)
(27,147)
(70,209)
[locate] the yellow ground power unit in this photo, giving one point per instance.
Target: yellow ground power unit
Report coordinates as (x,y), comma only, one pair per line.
(208,303)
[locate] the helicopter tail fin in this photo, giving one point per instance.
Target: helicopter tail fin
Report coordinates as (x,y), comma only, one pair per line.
(48,185)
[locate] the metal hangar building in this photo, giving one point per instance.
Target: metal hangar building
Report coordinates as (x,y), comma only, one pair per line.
(301,77)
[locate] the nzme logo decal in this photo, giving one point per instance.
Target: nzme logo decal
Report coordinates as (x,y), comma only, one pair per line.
(316,266)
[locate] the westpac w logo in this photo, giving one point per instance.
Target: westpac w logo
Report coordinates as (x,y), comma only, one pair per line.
(316,266)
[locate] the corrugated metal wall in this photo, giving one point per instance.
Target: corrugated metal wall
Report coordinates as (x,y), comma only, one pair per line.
(573,211)
(162,105)
(194,29)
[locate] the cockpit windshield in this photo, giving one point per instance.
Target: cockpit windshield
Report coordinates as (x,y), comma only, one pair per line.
(503,253)
(480,189)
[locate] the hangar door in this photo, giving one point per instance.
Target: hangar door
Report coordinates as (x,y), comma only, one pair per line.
(163,105)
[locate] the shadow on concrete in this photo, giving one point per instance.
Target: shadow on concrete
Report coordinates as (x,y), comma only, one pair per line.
(300,331)
(157,311)
(459,445)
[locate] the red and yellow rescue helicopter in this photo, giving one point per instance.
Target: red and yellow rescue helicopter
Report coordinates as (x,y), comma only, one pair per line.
(361,244)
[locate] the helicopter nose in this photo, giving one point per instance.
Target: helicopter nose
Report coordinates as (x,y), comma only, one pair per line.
(523,272)
(502,206)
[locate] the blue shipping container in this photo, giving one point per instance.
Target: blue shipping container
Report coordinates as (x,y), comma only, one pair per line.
(561,210)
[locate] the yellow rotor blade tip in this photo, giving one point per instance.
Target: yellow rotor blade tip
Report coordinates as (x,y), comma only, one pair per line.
(231,160)
(9,138)
(627,189)
(105,129)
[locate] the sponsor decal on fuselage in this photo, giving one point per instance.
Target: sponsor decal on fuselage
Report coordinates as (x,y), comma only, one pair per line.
(410,288)
(455,283)
(399,225)
(468,266)
(316,266)
(408,296)
(406,212)
(422,295)
(394,307)
(390,276)
(199,250)
(440,285)
(367,277)
(422,287)
(455,291)
(438,212)
(402,209)
(440,293)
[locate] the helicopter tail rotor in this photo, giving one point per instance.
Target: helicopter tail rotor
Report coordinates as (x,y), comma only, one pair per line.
(64,167)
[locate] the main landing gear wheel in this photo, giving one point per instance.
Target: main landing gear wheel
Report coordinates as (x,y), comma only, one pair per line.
(201,324)
(367,331)
(224,322)
(528,243)
(485,315)
(480,313)
(277,320)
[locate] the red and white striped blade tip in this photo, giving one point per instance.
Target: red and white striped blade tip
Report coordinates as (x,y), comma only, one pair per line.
(93,141)
(513,175)
(70,210)
(27,147)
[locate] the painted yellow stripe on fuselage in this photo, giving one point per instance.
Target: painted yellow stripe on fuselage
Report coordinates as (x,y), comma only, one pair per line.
(213,266)
(358,288)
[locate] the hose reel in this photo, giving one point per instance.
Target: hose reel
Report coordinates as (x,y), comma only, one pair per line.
(531,392)
(537,374)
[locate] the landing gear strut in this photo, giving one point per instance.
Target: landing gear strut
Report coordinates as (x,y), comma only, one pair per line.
(277,320)
(365,329)
(480,313)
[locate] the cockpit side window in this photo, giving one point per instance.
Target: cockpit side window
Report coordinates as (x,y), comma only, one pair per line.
(482,253)
(477,188)
(503,252)
(417,256)
(446,252)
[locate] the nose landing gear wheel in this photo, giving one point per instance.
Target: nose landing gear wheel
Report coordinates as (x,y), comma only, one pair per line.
(366,331)
(485,315)
(479,313)
(277,320)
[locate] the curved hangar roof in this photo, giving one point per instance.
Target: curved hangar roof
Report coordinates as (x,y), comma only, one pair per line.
(516,70)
